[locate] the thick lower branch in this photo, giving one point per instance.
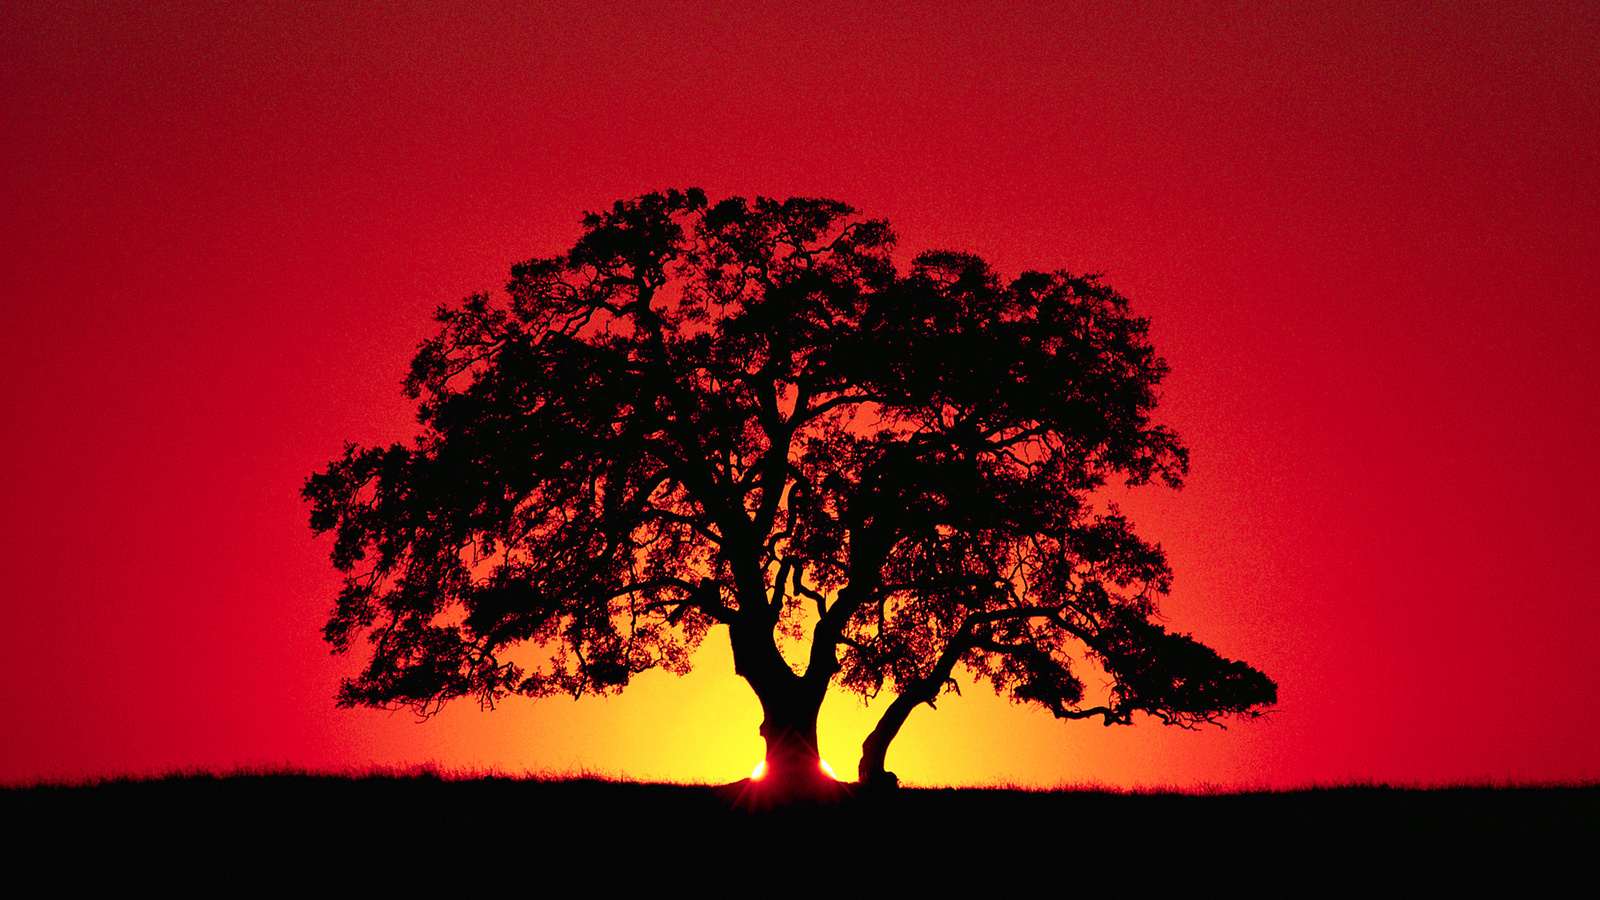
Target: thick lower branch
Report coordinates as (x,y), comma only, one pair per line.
(925,690)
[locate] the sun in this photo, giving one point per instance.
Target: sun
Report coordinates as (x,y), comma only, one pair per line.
(761,769)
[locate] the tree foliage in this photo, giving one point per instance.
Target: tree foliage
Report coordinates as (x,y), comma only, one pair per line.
(743,414)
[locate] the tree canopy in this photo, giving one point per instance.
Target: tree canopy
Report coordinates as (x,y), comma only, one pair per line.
(744,415)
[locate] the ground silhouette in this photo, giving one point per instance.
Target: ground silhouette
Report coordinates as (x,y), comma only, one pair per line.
(421,832)
(743,416)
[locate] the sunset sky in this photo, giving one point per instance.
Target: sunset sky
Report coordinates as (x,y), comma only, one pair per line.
(1365,233)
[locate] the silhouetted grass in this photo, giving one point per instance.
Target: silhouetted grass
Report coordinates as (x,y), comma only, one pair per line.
(476,833)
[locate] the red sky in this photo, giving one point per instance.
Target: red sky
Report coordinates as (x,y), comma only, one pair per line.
(1366,235)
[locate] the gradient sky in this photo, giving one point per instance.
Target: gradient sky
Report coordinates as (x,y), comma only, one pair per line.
(1366,235)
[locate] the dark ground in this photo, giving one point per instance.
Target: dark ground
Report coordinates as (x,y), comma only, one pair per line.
(487,836)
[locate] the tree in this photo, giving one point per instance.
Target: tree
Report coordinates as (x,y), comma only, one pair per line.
(743,415)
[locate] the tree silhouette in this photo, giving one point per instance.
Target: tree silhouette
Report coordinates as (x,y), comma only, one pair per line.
(744,415)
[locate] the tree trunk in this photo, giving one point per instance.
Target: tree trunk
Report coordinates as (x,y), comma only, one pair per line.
(792,767)
(790,730)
